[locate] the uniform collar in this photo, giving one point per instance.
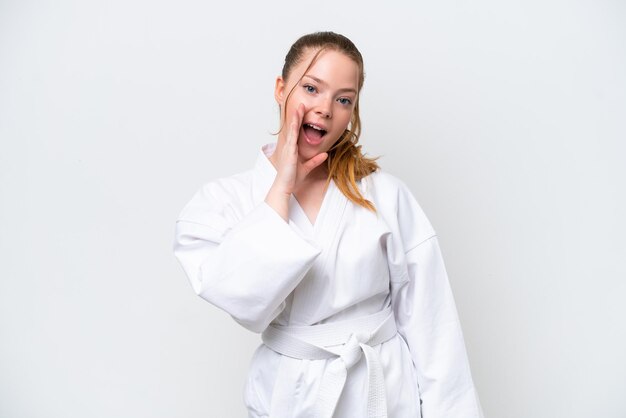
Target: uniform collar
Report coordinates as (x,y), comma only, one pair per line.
(263,163)
(264,170)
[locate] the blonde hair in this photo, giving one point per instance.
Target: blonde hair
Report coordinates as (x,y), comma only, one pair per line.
(346,164)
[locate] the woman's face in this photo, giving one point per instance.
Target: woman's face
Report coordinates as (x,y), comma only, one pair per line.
(328,92)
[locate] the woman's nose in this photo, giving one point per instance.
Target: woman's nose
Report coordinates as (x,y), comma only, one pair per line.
(324,109)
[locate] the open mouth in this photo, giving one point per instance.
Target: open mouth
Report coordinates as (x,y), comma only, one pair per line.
(313,132)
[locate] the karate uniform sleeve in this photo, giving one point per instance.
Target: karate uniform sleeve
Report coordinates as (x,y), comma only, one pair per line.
(427,318)
(245,265)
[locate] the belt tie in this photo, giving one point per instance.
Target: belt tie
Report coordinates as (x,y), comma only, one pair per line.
(357,337)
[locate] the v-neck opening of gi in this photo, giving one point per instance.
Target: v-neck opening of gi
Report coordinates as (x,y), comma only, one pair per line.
(320,212)
(333,200)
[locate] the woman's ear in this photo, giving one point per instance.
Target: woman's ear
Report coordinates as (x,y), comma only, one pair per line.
(279,90)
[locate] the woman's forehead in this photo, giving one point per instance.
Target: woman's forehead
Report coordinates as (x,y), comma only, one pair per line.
(330,66)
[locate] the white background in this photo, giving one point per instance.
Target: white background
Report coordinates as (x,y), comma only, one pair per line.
(506,119)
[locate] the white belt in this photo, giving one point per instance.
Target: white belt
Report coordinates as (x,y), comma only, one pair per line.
(357,337)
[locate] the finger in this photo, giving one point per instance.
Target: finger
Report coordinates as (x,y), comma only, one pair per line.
(292,134)
(294,131)
(297,120)
(300,113)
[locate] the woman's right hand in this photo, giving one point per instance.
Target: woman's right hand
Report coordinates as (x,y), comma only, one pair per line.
(290,172)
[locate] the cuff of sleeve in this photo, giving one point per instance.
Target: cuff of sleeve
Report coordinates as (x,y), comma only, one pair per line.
(278,227)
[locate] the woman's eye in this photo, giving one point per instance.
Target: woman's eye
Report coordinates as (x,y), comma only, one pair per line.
(344,101)
(309,88)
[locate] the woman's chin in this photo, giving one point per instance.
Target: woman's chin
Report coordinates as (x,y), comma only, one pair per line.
(305,155)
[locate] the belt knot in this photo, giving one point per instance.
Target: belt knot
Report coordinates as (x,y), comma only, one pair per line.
(353,348)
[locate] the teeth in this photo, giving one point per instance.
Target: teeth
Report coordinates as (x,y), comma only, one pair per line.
(314,127)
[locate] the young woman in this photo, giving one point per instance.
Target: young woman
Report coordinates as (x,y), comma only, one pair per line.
(332,260)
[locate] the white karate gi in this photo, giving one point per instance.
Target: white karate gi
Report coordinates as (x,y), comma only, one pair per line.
(241,256)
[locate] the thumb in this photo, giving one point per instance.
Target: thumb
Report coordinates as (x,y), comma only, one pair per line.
(315,161)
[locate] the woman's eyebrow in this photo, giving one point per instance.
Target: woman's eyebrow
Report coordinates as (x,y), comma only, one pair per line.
(351,90)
